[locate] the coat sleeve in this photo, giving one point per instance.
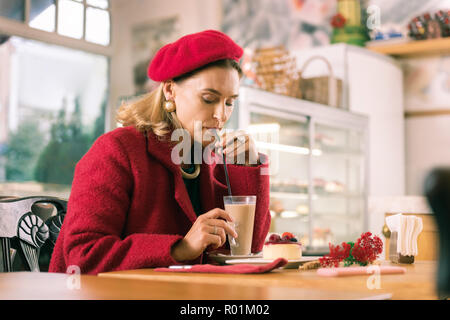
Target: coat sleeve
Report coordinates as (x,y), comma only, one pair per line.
(254,181)
(97,213)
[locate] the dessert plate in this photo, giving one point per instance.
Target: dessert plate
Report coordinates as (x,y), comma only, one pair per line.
(221,258)
(292,264)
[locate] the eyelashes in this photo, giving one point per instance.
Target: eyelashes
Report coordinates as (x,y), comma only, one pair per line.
(208,101)
(215,101)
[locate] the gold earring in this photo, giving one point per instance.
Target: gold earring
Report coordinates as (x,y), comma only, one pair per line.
(170,106)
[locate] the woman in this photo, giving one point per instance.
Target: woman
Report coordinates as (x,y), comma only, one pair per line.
(131,205)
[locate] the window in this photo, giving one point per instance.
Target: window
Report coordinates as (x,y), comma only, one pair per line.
(70,19)
(97,26)
(13,9)
(53,102)
(86,20)
(43,15)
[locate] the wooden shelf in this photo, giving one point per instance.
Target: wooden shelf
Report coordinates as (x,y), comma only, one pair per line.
(427,113)
(414,48)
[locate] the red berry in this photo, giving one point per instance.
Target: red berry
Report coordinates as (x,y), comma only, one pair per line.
(287,235)
(274,238)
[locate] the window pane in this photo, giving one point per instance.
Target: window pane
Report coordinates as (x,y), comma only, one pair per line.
(53,102)
(13,9)
(42,15)
(70,19)
(98,3)
(97,26)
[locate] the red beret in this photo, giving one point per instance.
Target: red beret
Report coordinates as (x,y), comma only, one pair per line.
(191,52)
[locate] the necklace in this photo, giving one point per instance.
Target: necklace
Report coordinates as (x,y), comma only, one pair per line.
(193,175)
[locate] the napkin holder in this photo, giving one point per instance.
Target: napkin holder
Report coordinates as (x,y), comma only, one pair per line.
(394,256)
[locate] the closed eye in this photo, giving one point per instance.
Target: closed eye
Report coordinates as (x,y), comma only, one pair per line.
(211,100)
(208,101)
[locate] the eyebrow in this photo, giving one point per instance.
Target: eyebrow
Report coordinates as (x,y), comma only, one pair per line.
(218,93)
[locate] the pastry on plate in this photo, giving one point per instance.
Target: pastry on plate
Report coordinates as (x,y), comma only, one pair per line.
(284,246)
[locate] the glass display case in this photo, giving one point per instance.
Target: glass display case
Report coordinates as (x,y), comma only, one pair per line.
(318,166)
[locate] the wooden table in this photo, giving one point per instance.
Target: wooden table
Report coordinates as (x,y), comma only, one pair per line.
(418,283)
(52,286)
(282,284)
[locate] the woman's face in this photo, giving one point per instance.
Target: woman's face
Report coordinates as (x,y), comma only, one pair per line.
(207,98)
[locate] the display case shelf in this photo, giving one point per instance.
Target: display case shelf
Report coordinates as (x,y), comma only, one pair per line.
(290,195)
(315,196)
(327,215)
(304,150)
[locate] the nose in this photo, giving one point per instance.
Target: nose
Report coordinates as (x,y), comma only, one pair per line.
(219,113)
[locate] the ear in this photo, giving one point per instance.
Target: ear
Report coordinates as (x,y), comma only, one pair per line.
(169,90)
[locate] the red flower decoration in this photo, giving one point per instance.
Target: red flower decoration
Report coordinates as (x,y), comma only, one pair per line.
(364,251)
(366,248)
(338,20)
(336,255)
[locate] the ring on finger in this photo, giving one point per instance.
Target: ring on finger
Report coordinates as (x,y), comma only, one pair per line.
(215,230)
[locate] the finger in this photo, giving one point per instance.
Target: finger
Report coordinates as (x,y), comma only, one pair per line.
(214,240)
(237,153)
(230,137)
(214,133)
(217,213)
(237,148)
(219,231)
(229,145)
(252,152)
(238,140)
(223,225)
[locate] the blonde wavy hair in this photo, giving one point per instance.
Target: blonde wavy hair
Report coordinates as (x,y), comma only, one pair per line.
(147,113)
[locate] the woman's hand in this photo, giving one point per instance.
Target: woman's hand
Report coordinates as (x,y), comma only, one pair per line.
(210,229)
(239,148)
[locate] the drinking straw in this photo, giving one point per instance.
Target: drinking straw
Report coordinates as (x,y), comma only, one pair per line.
(232,239)
(225,167)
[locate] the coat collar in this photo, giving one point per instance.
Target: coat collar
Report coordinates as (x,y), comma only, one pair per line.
(161,149)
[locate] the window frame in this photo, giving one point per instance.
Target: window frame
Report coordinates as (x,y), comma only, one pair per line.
(22,29)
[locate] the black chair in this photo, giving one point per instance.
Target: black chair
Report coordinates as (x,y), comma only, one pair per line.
(30,228)
(437,191)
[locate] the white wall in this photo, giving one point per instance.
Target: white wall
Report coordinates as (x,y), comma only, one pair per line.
(427,146)
(427,88)
(194,16)
(376,89)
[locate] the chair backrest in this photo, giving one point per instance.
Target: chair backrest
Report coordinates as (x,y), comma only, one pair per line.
(28,232)
(437,191)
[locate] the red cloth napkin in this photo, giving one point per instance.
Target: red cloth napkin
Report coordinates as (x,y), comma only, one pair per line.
(237,268)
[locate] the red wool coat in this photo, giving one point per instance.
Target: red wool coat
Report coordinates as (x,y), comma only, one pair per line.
(127,207)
